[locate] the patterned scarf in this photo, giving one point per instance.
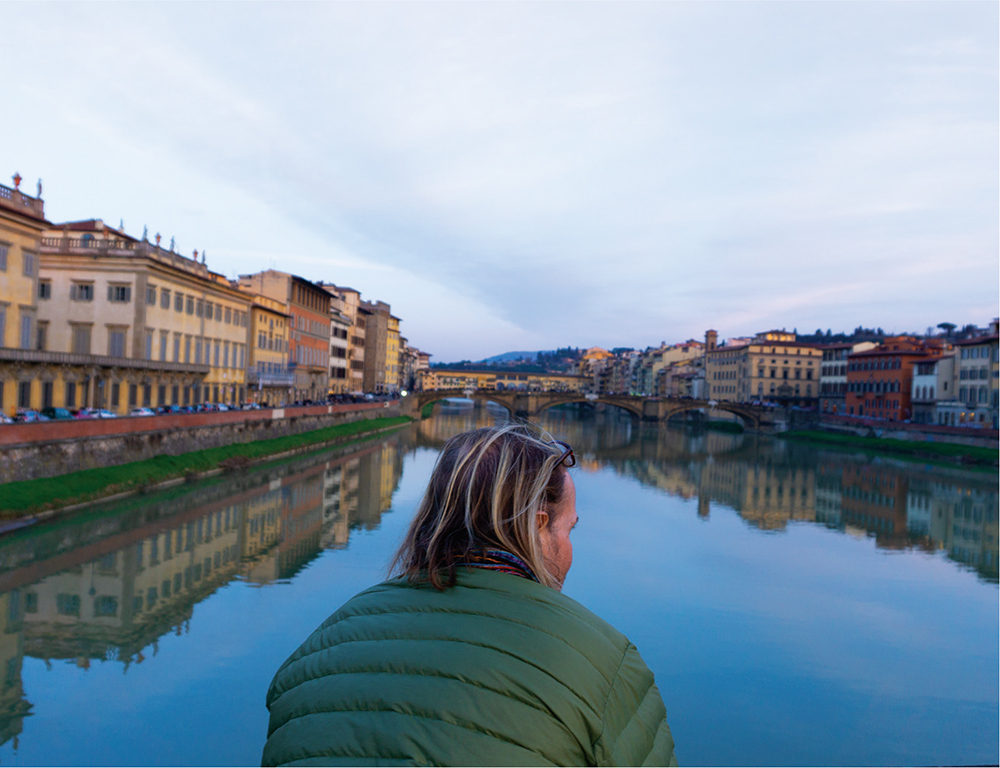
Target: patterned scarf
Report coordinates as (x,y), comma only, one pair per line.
(498,560)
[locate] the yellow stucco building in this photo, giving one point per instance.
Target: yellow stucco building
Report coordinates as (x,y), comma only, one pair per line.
(123,323)
(771,366)
(269,379)
(22,221)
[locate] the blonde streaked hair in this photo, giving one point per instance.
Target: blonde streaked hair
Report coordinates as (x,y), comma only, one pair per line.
(485,492)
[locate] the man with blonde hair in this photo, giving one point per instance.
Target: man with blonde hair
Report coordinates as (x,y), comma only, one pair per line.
(471,655)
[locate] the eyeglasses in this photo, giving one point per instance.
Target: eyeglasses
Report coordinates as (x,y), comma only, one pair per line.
(567,459)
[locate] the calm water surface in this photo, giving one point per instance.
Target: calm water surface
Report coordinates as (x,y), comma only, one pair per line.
(798,606)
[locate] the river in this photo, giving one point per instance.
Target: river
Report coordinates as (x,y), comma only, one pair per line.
(798,605)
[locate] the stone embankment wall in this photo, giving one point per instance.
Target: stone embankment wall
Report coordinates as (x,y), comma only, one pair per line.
(846,425)
(52,448)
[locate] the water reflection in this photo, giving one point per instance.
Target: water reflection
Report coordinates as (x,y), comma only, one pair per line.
(769,482)
(108,586)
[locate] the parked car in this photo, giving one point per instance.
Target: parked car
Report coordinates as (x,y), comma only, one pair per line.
(168,409)
(141,412)
(29,415)
(95,413)
(5,419)
(56,414)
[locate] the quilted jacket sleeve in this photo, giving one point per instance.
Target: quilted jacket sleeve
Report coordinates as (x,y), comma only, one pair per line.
(635,720)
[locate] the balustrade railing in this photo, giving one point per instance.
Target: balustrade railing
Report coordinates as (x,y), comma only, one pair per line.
(16,198)
(104,361)
(270,378)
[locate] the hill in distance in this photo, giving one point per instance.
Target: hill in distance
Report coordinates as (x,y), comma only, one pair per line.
(508,357)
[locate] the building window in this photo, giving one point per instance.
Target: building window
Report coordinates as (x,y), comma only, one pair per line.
(115,394)
(164,298)
(68,605)
(26,331)
(225,355)
(209,310)
(200,308)
(42,336)
(218,313)
(105,605)
(190,305)
(4,247)
(197,351)
(148,353)
(218,346)
(151,295)
(178,302)
(164,340)
(187,352)
(177,351)
(119,294)
(30,263)
(116,342)
(133,395)
(70,394)
(229,315)
(81,292)
(44,289)
(81,339)
(24,394)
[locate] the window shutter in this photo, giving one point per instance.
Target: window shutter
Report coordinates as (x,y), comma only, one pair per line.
(111,293)
(128,293)
(72,292)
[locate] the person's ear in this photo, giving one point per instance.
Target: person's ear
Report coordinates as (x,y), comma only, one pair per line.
(542,519)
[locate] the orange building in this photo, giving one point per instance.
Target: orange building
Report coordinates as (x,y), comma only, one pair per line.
(880,380)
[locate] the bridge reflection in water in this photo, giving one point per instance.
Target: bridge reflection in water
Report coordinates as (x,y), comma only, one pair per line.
(107,586)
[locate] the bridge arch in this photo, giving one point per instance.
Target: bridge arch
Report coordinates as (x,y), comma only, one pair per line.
(422,399)
(552,399)
(748,418)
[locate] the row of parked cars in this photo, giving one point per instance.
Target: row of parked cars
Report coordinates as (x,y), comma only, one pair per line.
(57,414)
(60,414)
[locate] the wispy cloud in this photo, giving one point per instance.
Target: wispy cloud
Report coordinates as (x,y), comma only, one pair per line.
(549,174)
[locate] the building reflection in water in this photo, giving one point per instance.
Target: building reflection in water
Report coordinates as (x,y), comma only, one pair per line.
(105,586)
(770,482)
(106,589)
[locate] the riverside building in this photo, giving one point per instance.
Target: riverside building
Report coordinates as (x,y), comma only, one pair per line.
(833,375)
(143,325)
(880,380)
(308,308)
(22,221)
(269,378)
(771,366)
(115,322)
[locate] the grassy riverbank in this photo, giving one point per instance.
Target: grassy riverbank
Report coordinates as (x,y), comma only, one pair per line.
(917,449)
(27,496)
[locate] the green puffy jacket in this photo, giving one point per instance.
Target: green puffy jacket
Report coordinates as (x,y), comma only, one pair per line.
(497,670)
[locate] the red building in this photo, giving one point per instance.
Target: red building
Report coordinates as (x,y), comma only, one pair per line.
(879,380)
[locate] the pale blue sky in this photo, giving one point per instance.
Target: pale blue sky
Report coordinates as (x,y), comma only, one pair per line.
(529,175)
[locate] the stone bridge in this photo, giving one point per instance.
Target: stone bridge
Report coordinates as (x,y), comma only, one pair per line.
(532,404)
